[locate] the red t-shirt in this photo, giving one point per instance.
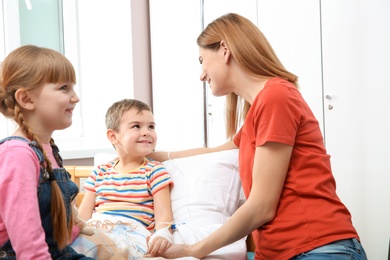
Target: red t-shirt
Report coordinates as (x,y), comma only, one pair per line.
(310,213)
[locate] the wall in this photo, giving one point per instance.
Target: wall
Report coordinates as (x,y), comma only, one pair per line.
(141,51)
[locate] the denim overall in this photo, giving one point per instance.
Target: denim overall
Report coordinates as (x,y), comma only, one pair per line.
(69,191)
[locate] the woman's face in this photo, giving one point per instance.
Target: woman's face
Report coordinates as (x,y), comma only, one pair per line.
(214,70)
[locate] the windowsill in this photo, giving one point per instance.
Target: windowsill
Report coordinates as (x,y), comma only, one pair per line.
(67,154)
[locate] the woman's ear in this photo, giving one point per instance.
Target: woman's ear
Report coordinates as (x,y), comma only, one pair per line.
(226,51)
(22,96)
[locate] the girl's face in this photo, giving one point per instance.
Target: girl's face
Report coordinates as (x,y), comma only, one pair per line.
(214,70)
(136,135)
(53,105)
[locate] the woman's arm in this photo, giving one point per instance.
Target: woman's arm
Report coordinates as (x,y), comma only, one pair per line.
(164,156)
(269,172)
(87,205)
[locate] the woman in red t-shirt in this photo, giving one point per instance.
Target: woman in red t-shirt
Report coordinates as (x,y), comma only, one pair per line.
(292,208)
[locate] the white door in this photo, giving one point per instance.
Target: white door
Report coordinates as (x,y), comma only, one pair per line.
(356,40)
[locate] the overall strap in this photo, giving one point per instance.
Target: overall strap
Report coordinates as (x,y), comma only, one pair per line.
(56,153)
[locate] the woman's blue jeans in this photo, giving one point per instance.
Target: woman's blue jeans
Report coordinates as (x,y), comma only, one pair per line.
(350,249)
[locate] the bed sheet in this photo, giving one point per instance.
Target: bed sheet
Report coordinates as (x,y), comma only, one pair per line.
(117,238)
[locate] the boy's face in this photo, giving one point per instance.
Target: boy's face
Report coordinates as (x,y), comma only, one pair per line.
(136,135)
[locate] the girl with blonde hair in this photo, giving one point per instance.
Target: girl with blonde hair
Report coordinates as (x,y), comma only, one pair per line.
(37,92)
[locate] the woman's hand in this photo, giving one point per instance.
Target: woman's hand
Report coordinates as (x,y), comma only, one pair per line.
(177,251)
(157,246)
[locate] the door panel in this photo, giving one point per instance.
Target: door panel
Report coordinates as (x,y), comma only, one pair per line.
(356,40)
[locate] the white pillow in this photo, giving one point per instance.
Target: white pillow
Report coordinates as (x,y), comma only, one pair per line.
(206,187)
(102,158)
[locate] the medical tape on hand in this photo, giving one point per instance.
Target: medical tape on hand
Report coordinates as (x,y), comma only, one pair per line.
(164,233)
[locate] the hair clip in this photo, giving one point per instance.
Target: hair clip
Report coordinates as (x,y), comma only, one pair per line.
(46,175)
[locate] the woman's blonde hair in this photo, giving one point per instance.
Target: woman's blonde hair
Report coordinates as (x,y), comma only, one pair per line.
(29,67)
(251,50)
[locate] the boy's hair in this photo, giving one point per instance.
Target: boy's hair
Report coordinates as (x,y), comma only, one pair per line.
(115,112)
(30,67)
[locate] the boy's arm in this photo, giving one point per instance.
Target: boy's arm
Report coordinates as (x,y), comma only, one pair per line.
(163,219)
(87,205)
(162,208)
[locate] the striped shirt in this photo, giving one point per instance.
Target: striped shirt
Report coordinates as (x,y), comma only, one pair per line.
(128,194)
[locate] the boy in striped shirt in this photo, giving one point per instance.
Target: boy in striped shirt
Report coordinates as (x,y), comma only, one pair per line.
(132,187)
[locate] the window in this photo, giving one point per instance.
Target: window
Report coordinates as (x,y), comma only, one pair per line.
(97,40)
